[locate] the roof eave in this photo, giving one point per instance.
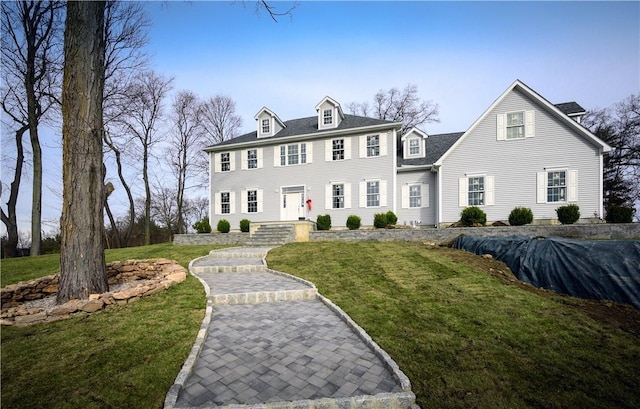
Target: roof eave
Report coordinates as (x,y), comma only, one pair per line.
(275,140)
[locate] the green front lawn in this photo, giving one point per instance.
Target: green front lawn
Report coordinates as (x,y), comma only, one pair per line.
(463,336)
(467,339)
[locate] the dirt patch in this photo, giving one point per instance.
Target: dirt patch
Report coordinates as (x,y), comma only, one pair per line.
(618,315)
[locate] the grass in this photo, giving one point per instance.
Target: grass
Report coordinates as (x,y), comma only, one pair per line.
(127,356)
(465,338)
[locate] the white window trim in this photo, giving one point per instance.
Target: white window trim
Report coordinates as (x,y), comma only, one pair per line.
(572,185)
(244,204)
(217,159)
(489,190)
(382,138)
(328,149)
(325,116)
(424,195)
(245,159)
(421,147)
(308,152)
(269,125)
(529,125)
(382,189)
(328,196)
(218,202)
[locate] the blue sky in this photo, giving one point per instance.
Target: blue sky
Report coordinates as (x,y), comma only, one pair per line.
(461,55)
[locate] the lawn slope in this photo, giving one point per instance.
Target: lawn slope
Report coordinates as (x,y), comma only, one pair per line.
(466,338)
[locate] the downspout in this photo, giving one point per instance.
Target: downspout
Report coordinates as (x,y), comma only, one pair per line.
(394,179)
(437,169)
(601,180)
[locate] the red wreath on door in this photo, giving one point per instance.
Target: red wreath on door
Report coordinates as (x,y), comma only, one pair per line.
(309,204)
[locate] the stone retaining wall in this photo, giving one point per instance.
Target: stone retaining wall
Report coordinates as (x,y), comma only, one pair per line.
(578,231)
(150,277)
(628,231)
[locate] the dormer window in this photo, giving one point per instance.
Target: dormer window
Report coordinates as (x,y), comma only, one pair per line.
(414,146)
(327,116)
(265,126)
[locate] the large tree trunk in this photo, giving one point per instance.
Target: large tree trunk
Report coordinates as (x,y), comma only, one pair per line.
(82,265)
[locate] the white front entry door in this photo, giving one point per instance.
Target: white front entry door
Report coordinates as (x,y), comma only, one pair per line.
(292,206)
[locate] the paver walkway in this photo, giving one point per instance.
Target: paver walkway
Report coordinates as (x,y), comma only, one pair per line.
(270,339)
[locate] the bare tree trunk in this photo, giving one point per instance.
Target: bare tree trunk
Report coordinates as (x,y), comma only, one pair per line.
(36,198)
(124,238)
(147,199)
(10,220)
(82,265)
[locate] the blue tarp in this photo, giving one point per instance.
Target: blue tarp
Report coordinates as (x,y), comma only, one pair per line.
(594,269)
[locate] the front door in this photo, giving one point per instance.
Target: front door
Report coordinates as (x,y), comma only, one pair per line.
(292,206)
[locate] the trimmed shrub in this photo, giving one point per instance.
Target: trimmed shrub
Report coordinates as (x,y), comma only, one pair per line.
(353,222)
(202,226)
(224,226)
(323,222)
(520,216)
(568,214)
(391,218)
(620,214)
(244,225)
(380,220)
(473,216)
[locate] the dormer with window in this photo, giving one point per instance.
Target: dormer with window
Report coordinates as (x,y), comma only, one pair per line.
(329,113)
(414,143)
(572,109)
(268,123)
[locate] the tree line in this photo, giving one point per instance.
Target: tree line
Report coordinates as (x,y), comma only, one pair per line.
(142,128)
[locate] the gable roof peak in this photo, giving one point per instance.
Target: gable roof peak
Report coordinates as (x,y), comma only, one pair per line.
(332,102)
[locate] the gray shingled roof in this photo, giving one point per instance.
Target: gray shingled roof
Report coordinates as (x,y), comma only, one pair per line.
(306,126)
(570,108)
(436,146)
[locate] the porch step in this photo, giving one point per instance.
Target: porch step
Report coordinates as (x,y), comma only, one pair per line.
(272,234)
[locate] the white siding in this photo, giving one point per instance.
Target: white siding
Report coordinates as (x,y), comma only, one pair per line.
(515,164)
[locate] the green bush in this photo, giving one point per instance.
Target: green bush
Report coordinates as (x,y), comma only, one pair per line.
(224,226)
(323,222)
(568,214)
(620,214)
(380,220)
(244,225)
(391,218)
(353,222)
(520,216)
(202,226)
(473,216)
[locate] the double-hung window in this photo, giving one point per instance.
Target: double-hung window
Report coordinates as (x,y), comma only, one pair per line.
(476,191)
(337,196)
(225,203)
(556,186)
(373,145)
(373,194)
(515,125)
(415,196)
(266,127)
(414,146)
(252,159)
(327,117)
(252,201)
(225,162)
(293,154)
(338,149)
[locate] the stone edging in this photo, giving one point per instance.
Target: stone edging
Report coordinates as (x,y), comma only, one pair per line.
(150,277)
(403,399)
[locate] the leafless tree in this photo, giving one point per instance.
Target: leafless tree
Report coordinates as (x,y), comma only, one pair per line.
(164,208)
(143,116)
(399,106)
(220,120)
(619,126)
(184,145)
(126,34)
(31,66)
(82,265)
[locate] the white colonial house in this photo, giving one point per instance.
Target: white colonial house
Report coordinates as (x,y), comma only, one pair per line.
(522,151)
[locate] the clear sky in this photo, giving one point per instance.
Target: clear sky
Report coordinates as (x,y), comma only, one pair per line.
(461,55)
